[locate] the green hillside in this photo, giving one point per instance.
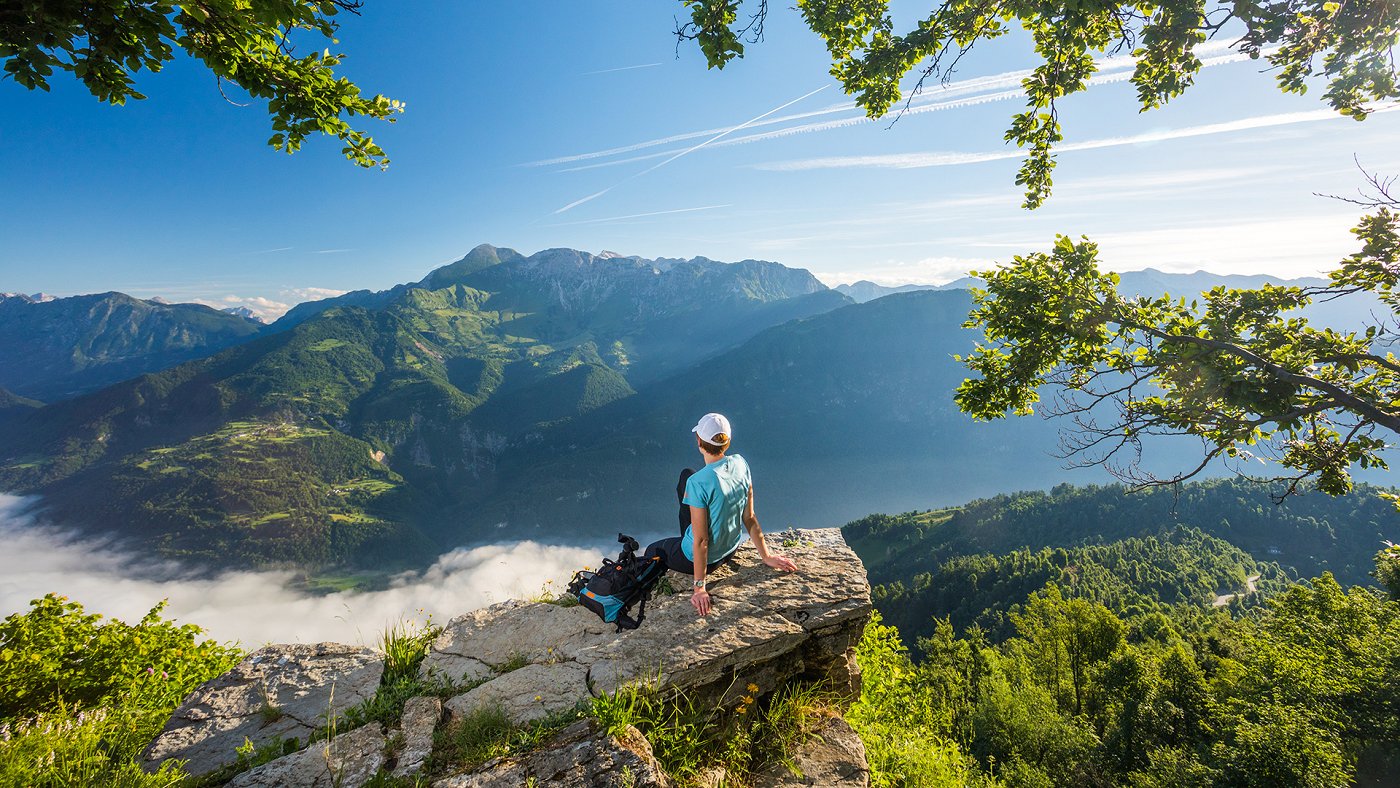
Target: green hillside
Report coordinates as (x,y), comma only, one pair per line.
(52,350)
(1134,553)
(353,435)
(838,414)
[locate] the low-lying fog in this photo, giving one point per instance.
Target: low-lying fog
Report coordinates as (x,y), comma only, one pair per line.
(261,607)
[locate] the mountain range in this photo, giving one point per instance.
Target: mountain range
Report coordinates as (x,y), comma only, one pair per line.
(507,396)
(56,348)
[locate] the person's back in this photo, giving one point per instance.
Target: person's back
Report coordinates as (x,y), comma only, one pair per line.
(716,509)
(722,489)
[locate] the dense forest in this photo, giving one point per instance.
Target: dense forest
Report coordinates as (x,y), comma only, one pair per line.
(1086,636)
(1304,691)
(1138,552)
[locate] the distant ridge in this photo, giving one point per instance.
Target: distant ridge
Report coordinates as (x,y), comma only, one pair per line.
(55,348)
(865,290)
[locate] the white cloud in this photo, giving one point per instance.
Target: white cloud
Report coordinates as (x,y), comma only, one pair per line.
(692,148)
(1286,246)
(265,308)
(262,607)
(312,293)
(269,309)
(925,271)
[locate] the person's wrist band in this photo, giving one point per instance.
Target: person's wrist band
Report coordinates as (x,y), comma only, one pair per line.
(699,584)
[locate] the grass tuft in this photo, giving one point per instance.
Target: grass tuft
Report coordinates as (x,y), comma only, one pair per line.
(689,740)
(475,738)
(515,662)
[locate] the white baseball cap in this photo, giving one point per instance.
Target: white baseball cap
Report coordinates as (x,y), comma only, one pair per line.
(714,429)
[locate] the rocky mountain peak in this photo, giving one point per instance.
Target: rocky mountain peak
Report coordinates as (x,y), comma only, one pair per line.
(481,256)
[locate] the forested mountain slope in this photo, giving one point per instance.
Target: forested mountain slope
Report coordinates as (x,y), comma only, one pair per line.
(837,414)
(1134,552)
(61,347)
(341,435)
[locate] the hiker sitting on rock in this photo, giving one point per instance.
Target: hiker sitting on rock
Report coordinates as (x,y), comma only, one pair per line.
(715,501)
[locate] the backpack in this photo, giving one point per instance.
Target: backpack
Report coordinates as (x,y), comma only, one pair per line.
(618,585)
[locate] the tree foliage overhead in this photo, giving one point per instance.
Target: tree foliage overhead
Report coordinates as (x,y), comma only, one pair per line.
(250,43)
(1346,43)
(1237,368)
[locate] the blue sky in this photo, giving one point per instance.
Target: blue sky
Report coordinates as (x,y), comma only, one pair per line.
(517,111)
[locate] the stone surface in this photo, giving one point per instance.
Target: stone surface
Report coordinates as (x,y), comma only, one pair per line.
(833,756)
(420,719)
(766,627)
(494,637)
(277,692)
(527,694)
(578,757)
(348,761)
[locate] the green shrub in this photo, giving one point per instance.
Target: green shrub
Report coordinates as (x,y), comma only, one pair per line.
(68,748)
(55,656)
(475,738)
(688,740)
(902,720)
(405,645)
(83,696)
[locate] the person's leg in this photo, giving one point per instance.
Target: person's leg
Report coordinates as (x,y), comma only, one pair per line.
(670,551)
(680,497)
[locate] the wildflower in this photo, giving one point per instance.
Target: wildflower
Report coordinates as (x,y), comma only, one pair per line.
(538,697)
(741,709)
(752,688)
(747,699)
(150,671)
(164,675)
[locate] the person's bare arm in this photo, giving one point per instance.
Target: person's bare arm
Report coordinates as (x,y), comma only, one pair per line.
(700,533)
(756,536)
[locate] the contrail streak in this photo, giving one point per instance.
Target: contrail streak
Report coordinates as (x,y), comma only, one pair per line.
(937,98)
(620,68)
(949,159)
(692,149)
(640,215)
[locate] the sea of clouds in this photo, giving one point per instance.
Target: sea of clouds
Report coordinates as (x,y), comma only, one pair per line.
(256,607)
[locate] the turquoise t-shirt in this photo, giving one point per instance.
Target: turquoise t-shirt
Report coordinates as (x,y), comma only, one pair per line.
(722,487)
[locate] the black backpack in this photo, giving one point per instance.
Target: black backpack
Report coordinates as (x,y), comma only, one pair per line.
(618,585)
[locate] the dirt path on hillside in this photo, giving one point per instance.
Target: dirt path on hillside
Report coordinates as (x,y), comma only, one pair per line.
(1225,599)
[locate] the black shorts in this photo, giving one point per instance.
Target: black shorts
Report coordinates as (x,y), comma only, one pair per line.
(670,551)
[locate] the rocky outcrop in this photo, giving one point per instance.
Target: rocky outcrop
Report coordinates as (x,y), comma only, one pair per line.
(531,660)
(350,759)
(832,756)
(276,693)
(415,734)
(766,627)
(578,757)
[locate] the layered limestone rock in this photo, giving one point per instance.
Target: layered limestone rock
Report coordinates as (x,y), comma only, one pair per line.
(277,693)
(766,627)
(832,756)
(420,719)
(530,660)
(578,757)
(350,759)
